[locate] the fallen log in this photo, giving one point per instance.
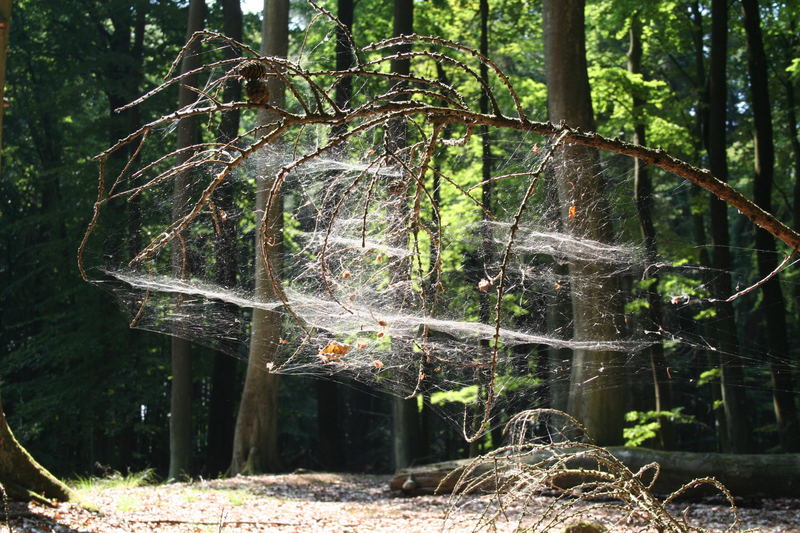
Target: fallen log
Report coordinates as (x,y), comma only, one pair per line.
(746,475)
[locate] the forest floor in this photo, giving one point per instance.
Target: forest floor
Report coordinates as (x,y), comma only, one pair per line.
(316,502)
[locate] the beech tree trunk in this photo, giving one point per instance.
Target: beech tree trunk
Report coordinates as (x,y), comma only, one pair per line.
(643,191)
(180,416)
(255,443)
(774,304)
(222,403)
(597,377)
(733,395)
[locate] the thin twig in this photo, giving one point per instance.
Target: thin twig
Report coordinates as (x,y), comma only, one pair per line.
(758,284)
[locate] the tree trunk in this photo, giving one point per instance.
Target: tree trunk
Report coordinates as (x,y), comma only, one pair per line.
(791,125)
(405,414)
(486,161)
(21,476)
(180,418)
(774,303)
(344,59)
(255,443)
(221,415)
(795,142)
(774,475)
(5,31)
(330,436)
(597,377)
(643,191)
(733,397)
(484,312)
(696,197)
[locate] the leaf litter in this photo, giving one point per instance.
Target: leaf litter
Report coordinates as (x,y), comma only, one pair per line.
(323,502)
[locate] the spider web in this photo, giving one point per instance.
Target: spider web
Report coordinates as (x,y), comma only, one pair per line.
(392,268)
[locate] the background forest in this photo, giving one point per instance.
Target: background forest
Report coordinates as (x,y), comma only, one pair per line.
(86,394)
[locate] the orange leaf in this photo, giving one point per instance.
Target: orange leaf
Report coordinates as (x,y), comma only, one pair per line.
(572,211)
(333,352)
(335,348)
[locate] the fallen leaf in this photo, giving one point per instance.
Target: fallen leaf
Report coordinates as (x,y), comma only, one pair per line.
(334,351)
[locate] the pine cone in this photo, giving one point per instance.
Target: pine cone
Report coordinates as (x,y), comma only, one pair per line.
(257,91)
(252,69)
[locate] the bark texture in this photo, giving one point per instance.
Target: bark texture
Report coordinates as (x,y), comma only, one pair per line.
(221,414)
(21,476)
(180,416)
(405,414)
(643,190)
(733,396)
(774,304)
(330,435)
(255,444)
(597,377)
(776,475)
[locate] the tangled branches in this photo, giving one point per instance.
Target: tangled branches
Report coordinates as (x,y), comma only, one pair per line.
(364,263)
(576,472)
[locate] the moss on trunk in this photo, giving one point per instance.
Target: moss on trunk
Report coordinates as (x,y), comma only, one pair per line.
(21,476)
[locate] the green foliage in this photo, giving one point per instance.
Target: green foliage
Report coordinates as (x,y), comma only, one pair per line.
(465,395)
(469,395)
(712,375)
(68,357)
(637,306)
(115,480)
(794,68)
(647,424)
(676,288)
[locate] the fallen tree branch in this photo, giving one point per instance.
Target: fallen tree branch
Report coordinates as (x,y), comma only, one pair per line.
(745,475)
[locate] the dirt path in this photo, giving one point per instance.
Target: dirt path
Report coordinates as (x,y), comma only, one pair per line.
(323,503)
